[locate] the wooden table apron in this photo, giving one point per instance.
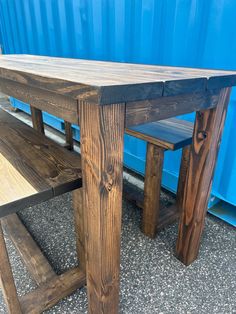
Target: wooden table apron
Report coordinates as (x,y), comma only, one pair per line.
(102,126)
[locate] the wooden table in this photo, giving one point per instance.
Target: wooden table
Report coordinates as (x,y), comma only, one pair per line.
(104,98)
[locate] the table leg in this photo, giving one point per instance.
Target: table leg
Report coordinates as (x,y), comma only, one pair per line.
(77,197)
(206,139)
(6,279)
(69,135)
(37,119)
(102,136)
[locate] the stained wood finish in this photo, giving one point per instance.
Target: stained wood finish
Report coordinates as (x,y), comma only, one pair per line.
(152,189)
(7,281)
(28,250)
(141,112)
(38,125)
(169,134)
(167,214)
(102,132)
(61,106)
(33,168)
(69,136)
(207,134)
(51,288)
(78,206)
(182,176)
(37,119)
(51,292)
(109,82)
(54,85)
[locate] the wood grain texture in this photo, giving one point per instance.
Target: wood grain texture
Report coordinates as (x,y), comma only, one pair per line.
(169,134)
(37,119)
(167,214)
(182,176)
(59,105)
(206,139)
(102,136)
(78,206)
(33,168)
(51,292)
(30,253)
(7,281)
(109,82)
(152,189)
(69,135)
(142,112)
(13,185)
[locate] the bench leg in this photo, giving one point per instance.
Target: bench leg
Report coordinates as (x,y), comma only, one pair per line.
(69,136)
(37,119)
(182,176)
(152,189)
(51,287)
(77,196)
(7,281)
(206,139)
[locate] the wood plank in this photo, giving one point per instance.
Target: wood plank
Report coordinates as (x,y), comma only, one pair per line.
(182,176)
(30,253)
(33,168)
(102,136)
(109,82)
(55,104)
(166,107)
(16,192)
(37,119)
(168,214)
(152,189)
(169,134)
(207,134)
(51,292)
(78,206)
(69,135)
(7,280)
(134,196)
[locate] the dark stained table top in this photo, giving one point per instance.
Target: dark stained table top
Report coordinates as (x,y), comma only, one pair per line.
(107,82)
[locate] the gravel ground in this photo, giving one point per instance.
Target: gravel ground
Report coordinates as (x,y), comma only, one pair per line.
(152,279)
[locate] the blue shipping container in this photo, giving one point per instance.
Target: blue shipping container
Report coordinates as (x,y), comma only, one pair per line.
(194,33)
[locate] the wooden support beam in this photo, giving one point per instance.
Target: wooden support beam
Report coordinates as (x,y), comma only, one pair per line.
(7,280)
(37,119)
(206,139)
(102,134)
(183,175)
(77,196)
(69,136)
(28,250)
(167,214)
(51,292)
(140,112)
(152,189)
(45,100)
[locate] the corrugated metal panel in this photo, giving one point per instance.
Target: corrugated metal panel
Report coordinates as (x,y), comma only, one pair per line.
(195,33)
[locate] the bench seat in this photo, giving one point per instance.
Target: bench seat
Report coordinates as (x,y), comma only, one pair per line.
(169,134)
(32,167)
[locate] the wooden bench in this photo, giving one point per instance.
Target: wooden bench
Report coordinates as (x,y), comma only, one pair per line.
(34,169)
(169,134)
